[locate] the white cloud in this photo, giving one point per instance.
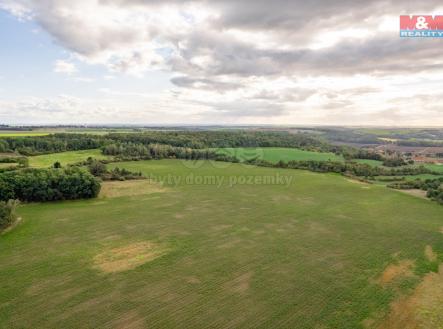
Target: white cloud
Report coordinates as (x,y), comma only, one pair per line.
(65,67)
(245,61)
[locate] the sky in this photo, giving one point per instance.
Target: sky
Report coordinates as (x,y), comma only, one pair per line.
(220,62)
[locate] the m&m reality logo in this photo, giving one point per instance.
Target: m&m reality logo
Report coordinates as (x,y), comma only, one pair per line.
(421,26)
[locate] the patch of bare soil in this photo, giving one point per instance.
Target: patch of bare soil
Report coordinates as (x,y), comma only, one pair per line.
(396,271)
(230,244)
(129,188)
(356,181)
(430,254)
(14,225)
(42,285)
(128,257)
(280,198)
(240,284)
(306,200)
(421,310)
(416,192)
(193,280)
(130,320)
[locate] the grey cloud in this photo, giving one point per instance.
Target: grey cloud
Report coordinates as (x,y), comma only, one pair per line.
(383,54)
(246,108)
(204,83)
(75,32)
(228,60)
(285,20)
(286,95)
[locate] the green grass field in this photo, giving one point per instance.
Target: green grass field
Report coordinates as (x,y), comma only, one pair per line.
(8,165)
(18,133)
(274,154)
(412,177)
(218,246)
(47,160)
(435,167)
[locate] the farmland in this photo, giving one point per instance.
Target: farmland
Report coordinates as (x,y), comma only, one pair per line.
(47,160)
(8,165)
(222,165)
(435,167)
(307,251)
(18,133)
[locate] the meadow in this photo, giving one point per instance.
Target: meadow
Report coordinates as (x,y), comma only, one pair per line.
(47,160)
(435,167)
(20,133)
(411,177)
(8,165)
(221,245)
(275,154)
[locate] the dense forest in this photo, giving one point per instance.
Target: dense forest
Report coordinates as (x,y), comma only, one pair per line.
(34,145)
(134,151)
(135,144)
(220,139)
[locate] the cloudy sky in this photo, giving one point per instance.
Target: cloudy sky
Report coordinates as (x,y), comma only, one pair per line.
(217,62)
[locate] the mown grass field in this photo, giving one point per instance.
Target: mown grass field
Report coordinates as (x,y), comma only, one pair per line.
(213,247)
(47,160)
(275,154)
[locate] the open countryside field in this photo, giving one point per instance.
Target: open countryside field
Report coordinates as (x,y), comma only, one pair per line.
(48,131)
(435,167)
(383,179)
(47,160)
(7,165)
(19,133)
(313,251)
(275,154)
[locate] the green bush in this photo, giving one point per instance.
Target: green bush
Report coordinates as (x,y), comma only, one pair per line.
(7,213)
(48,184)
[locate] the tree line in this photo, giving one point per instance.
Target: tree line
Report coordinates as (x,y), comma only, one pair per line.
(20,160)
(135,151)
(48,184)
(433,187)
(349,168)
(34,145)
(222,139)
